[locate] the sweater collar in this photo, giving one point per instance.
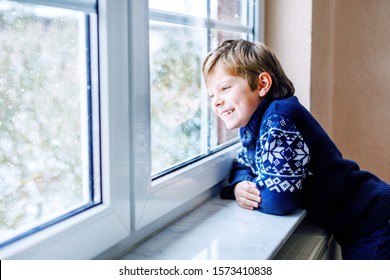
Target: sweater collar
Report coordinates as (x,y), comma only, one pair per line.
(253,125)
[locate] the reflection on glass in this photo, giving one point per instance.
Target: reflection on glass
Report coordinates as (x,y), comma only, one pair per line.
(175,80)
(219,133)
(43,119)
(183,125)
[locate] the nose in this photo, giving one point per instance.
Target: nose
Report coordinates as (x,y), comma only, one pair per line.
(217,102)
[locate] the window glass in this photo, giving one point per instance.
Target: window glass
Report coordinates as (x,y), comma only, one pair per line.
(218,132)
(183,127)
(188,7)
(176,100)
(232,11)
(46,162)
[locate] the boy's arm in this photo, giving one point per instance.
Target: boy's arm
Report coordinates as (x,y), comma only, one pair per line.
(240,172)
(282,163)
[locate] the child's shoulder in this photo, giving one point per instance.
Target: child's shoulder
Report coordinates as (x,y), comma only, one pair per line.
(289,108)
(286,105)
(291,113)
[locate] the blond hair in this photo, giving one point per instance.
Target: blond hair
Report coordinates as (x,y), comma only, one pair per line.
(248,60)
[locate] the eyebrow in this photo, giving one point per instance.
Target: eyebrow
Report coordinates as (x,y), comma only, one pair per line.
(224,81)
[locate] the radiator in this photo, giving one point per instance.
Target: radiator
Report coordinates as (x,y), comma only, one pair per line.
(308,242)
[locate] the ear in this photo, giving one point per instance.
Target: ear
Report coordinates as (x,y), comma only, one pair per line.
(264,83)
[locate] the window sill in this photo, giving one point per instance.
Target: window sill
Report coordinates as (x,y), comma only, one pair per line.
(220,229)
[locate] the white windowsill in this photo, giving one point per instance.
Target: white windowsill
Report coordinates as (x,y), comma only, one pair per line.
(220,229)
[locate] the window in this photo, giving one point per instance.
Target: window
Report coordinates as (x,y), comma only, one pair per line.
(87,93)
(181,32)
(54,146)
(180,151)
(49,168)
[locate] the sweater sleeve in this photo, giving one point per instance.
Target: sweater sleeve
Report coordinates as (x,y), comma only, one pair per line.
(241,171)
(282,162)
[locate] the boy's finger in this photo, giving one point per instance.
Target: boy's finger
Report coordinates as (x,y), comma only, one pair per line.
(252,197)
(254,194)
(251,204)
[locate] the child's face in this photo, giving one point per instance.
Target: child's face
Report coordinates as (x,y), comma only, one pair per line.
(232,98)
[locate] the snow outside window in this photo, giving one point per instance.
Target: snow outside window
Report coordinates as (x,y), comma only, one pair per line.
(181,32)
(49,135)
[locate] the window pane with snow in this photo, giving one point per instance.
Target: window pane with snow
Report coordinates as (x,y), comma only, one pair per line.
(188,7)
(45,117)
(231,11)
(181,32)
(175,93)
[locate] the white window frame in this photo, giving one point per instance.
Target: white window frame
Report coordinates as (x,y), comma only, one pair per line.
(86,235)
(153,200)
(133,206)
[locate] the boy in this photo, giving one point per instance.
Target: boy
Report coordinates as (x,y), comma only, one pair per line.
(287,160)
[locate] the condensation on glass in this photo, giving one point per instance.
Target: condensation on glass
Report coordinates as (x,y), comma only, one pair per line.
(181,32)
(45,117)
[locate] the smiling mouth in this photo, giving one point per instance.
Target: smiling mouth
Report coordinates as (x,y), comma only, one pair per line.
(227,112)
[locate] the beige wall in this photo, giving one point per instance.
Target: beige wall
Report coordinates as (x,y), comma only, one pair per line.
(289,37)
(337,53)
(361,121)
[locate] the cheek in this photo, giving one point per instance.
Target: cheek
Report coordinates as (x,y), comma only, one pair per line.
(214,109)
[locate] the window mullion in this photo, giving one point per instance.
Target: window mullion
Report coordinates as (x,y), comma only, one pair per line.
(208,110)
(205,122)
(188,20)
(139,118)
(258,20)
(88,6)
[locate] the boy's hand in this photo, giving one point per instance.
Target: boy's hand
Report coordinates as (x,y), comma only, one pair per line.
(247,195)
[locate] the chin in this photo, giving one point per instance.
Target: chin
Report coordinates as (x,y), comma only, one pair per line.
(231,126)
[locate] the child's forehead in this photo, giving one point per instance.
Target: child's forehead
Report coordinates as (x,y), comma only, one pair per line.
(221,70)
(219,78)
(219,75)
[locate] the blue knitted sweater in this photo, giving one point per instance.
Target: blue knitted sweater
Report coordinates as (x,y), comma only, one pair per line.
(295,164)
